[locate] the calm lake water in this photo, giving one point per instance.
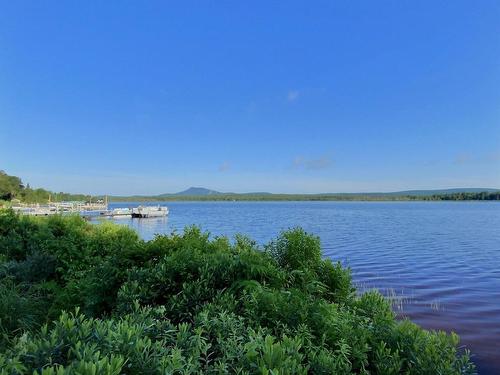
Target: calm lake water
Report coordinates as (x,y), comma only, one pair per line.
(441,260)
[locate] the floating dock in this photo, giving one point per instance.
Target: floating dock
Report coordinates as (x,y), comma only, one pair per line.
(118,212)
(89,210)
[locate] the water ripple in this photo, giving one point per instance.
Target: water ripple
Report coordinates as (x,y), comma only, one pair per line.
(438,261)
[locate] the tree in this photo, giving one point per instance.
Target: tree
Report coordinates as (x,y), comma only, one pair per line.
(10,186)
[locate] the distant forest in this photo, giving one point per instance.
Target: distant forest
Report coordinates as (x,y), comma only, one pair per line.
(483,196)
(12,187)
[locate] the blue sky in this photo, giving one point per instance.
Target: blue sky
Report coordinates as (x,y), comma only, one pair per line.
(149,97)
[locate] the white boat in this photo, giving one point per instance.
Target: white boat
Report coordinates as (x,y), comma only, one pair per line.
(149,211)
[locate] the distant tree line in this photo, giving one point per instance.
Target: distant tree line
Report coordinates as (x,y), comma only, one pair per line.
(482,196)
(311,197)
(12,187)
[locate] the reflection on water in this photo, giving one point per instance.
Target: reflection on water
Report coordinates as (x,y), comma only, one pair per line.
(438,261)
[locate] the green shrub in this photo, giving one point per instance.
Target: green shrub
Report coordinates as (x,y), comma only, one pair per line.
(295,249)
(187,303)
(21,309)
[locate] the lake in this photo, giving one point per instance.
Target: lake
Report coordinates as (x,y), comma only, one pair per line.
(440,261)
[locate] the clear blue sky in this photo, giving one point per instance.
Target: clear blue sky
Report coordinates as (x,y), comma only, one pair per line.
(149,97)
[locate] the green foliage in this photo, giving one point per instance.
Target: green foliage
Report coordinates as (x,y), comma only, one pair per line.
(11,187)
(296,250)
(483,196)
(188,303)
(20,310)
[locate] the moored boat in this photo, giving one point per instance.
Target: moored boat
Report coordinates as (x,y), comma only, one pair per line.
(149,211)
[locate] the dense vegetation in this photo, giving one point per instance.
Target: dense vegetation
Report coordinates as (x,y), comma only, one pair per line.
(78,298)
(482,196)
(11,187)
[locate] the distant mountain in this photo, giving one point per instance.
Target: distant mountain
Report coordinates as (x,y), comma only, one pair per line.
(193,192)
(203,192)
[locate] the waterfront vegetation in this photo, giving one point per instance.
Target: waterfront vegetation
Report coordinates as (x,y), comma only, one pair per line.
(11,187)
(79,298)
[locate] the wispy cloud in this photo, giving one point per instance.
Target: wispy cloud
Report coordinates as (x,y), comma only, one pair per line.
(322,162)
(293,95)
(225,166)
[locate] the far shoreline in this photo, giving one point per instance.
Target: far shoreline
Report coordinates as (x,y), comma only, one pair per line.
(201,200)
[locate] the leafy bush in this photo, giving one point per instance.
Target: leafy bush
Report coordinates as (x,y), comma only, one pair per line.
(96,299)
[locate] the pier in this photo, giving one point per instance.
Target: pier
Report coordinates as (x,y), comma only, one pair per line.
(89,210)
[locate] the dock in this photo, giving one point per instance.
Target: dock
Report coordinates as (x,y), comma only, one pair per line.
(90,210)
